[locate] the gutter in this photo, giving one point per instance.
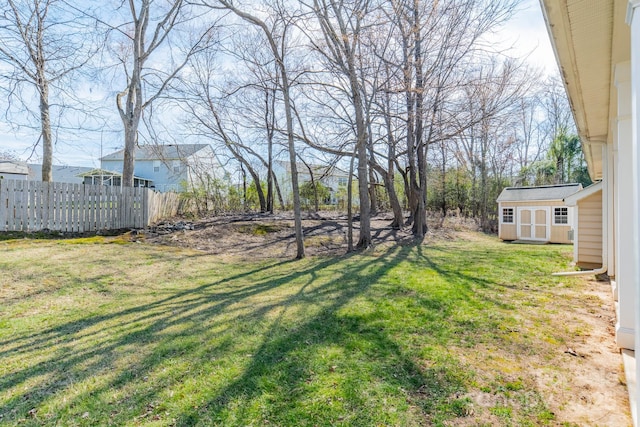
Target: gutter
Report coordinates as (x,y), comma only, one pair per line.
(605,223)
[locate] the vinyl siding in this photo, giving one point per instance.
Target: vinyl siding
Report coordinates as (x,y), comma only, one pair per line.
(590,230)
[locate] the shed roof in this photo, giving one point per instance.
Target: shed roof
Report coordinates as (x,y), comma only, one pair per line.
(159,152)
(543,192)
(14,167)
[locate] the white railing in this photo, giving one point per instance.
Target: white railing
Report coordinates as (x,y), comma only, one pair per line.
(39,206)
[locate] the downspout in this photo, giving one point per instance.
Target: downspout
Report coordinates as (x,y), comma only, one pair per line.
(605,222)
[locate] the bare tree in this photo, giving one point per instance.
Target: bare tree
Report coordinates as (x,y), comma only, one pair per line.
(277,32)
(44,43)
(342,26)
(490,99)
(8,155)
(437,41)
(143,41)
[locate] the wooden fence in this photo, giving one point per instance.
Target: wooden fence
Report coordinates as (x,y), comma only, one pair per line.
(56,206)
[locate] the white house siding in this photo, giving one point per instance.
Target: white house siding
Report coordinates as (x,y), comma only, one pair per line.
(630,233)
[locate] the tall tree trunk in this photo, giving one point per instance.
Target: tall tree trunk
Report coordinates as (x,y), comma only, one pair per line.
(350,206)
(244,189)
(443,204)
(484,178)
(372,175)
(47,143)
(270,178)
(297,214)
(389,174)
(365,214)
(389,184)
(269,122)
(420,215)
(130,114)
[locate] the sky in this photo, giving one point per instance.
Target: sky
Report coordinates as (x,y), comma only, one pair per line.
(526,34)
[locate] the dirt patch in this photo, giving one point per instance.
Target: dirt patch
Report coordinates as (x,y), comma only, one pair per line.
(594,387)
(579,380)
(259,236)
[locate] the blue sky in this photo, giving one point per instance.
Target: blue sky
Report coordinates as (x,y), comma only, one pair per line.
(525,33)
(529,35)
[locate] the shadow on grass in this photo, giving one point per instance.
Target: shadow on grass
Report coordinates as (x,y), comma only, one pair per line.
(291,343)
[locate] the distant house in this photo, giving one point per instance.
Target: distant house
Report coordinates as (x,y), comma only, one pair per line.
(168,167)
(61,173)
(332,177)
(536,213)
(13,169)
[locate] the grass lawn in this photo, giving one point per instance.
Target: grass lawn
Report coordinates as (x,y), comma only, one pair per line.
(103,332)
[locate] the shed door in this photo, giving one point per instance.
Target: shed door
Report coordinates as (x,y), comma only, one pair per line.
(533,224)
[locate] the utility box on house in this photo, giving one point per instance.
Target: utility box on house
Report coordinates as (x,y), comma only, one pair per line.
(537,214)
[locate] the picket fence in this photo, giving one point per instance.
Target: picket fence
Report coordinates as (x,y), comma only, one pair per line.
(55,206)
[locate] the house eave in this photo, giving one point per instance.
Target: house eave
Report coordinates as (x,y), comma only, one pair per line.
(588,41)
(573,199)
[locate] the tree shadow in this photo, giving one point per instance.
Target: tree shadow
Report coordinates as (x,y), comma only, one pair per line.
(263,331)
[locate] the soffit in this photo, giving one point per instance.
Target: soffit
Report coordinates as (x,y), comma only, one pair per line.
(588,35)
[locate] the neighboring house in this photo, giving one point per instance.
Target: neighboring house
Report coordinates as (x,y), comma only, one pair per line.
(332,177)
(13,169)
(597,45)
(69,174)
(169,167)
(536,213)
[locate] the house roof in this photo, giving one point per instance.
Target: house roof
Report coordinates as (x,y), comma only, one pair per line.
(588,39)
(573,199)
(60,173)
(543,192)
(160,152)
(14,167)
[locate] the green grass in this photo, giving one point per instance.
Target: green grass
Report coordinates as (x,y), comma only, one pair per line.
(130,334)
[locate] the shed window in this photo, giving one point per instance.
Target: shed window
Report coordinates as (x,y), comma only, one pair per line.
(560,216)
(507,215)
